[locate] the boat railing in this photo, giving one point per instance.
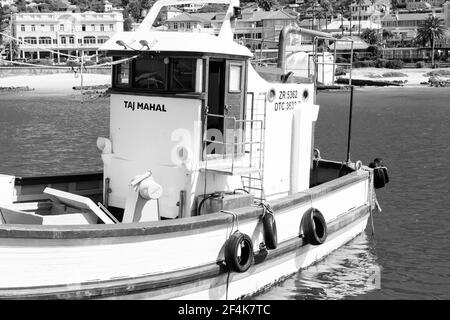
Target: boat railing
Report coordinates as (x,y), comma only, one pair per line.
(321,54)
(319,58)
(235,152)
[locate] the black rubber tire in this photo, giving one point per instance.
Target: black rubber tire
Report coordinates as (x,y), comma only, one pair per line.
(270,231)
(239,242)
(379,180)
(314,227)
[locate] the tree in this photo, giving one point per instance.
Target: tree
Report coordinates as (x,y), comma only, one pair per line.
(213,7)
(370,36)
(327,11)
(432,29)
(53,5)
(20,5)
(128,24)
(12,49)
(266,5)
(386,34)
(4,20)
(341,10)
(326,5)
(136,8)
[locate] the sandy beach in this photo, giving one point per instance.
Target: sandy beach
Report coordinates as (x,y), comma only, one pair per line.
(413,76)
(55,83)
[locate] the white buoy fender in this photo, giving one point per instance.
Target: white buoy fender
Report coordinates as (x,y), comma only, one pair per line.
(149,189)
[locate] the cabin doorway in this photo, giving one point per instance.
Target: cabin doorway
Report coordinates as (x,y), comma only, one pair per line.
(226,88)
(216,94)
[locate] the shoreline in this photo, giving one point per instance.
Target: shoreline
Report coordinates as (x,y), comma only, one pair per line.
(414,77)
(60,83)
(63,83)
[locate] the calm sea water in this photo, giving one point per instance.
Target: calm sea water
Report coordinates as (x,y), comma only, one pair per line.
(409,257)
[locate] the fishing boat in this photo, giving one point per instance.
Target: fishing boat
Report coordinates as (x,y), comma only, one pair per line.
(211,186)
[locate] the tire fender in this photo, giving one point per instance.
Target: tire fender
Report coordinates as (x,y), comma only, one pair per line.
(239,252)
(270,231)
(314,227)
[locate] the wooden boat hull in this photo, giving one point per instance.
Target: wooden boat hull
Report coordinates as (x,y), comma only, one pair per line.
(181,258)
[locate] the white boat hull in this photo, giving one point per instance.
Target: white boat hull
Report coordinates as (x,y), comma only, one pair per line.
(182,258)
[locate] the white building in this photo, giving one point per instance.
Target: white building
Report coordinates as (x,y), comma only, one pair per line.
(64,32)
(191,7)
(4,3)
(367,15)
(404,25)
(417,5)
(446,13)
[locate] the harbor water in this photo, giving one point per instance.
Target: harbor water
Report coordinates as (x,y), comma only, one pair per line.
(408,257)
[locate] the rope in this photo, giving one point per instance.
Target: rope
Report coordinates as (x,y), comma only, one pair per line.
(65,67)
(235,218)
(78,73)
(266,208)
(31,64)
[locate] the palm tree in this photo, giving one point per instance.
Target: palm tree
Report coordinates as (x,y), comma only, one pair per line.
(4,21)
(431,29)
(386,34)
(328,9)
(341,10)
(370,36)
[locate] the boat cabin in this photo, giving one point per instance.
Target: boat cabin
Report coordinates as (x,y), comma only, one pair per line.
(194,129)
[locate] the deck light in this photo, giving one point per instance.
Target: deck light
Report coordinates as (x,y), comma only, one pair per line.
(121,43)
(144,43)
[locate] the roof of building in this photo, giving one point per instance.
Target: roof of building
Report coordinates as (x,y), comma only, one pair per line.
(176,42)
(187,17)
(250,15)
(306,23)
(279,15)
(358,44)
(206,15)
(363,3)
(171,9)
(410,16)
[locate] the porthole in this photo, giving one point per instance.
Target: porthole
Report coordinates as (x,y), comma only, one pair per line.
(271,95)
(305,95)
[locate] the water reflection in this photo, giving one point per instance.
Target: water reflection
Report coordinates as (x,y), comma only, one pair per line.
(350,271)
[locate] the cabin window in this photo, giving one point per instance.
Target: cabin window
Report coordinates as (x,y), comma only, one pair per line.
(150,73)
(234,84)
(122,74)
(183,74)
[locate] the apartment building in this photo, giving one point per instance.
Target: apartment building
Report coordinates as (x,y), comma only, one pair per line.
(367,15)
(185,22)
(404,25)
(64,32)
(254,26)
(446,13)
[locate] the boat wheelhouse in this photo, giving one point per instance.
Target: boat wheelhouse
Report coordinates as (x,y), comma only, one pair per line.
(211,188)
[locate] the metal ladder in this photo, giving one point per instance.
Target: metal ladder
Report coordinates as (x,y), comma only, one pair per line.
(254,182)
(246,157)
